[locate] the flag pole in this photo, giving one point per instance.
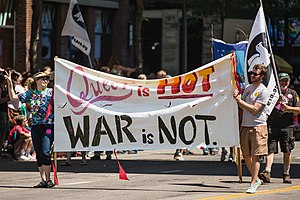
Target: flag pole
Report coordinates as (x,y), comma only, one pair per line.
(90,61)
(272,56)
(212,38)
(273,62)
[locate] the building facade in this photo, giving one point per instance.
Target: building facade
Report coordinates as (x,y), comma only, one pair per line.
(108,25)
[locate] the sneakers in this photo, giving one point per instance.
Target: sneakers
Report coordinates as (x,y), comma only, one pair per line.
(265,176)
(230,158)
(252,188)
(178,157)
(31,157)
(287,178)
(23,158)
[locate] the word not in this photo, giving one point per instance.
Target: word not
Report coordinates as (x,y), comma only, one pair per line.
(103,128)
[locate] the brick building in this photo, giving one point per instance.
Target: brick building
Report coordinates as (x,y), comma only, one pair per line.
(108,23)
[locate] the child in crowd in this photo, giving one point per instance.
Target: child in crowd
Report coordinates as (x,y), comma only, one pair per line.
(20,140)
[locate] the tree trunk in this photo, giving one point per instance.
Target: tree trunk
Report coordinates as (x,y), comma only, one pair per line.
(35,31)
(138,29)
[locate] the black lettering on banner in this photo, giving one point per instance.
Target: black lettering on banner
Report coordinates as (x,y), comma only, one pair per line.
(181,130)
(206,118)
(98,132)
(272,95)
(84,137)
(150,137)
(162,128)
(144,136)
(125,128)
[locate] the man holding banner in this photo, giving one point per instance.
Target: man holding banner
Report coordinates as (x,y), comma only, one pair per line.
(254,131)
(260,97)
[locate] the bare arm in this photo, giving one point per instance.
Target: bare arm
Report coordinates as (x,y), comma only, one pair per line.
(11,92)
(25,135)
(290,108)
(253,109)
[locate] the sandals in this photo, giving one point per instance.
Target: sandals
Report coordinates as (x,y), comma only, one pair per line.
(65,164)
(41,184)
(44,184)
(50,184)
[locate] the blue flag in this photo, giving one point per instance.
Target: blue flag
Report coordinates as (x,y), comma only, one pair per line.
(220,49)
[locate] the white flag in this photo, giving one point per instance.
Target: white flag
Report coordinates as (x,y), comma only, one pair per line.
(75,27)
(259,52)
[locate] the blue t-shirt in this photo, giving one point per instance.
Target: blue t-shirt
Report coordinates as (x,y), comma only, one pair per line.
(38,102)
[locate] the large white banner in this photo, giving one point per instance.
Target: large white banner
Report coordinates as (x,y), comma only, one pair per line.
(99,111)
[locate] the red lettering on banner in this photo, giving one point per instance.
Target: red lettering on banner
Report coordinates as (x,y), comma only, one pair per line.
(205,77)
(173,82)
(186,84)
(92,92)
(189,83)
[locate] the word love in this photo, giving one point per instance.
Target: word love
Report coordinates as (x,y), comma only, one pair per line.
(116,133)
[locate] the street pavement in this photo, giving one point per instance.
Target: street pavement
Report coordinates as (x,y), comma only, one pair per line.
(152,175)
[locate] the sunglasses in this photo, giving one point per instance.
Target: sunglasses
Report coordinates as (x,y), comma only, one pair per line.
(43,78)
(254,74)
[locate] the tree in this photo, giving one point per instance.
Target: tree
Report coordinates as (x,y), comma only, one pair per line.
(35,31)
(138,28)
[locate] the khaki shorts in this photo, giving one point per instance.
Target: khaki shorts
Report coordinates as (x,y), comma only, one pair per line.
(254,140)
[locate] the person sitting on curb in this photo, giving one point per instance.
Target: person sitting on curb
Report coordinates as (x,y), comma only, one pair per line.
(20,140)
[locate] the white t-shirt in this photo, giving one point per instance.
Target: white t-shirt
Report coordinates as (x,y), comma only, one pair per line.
(255,94)
(16,104)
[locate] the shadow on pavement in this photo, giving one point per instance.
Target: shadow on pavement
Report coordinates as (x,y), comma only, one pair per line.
(123,189)
(215,168)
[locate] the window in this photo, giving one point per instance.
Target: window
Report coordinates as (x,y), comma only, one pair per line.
(276,30)
(6,33)
(47,31)
(102,40)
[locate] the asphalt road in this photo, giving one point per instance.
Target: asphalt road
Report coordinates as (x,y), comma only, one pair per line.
(152,175)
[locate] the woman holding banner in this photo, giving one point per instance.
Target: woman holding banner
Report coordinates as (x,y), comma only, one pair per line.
(42,131)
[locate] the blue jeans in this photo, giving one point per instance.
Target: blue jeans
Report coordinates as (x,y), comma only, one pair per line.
(42,138)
